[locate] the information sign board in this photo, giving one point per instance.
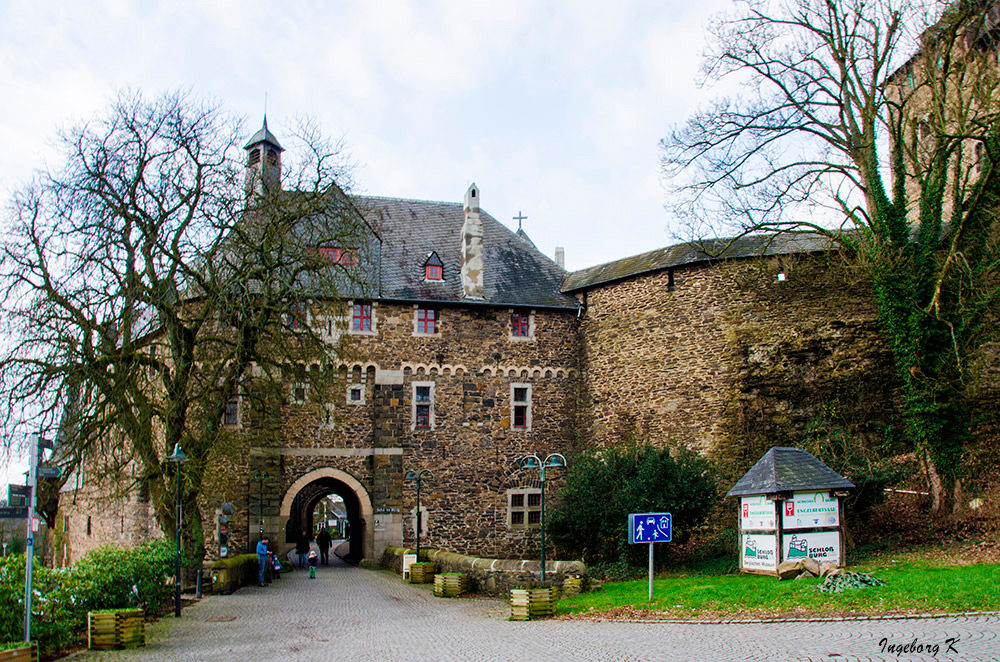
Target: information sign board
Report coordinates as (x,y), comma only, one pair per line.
(759,552)
(49,472)
(648,527)
(810,510)
(823,546)
(756,512)
(13,512)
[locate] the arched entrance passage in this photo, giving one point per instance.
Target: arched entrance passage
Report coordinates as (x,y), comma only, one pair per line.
(303,495)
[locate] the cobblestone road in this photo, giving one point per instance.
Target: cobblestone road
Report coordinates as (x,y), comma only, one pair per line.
(347,614)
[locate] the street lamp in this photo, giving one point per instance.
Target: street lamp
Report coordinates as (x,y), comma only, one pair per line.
(261,476)
(532,462)
(410,475)
(178,458)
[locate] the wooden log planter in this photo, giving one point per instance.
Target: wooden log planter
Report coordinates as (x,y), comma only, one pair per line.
(422,573)
(527,604)
(19,652)
(116,628)
(450,584)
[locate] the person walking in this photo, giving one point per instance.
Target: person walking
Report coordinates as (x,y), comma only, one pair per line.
(262,561)
(302,548)
(324,541)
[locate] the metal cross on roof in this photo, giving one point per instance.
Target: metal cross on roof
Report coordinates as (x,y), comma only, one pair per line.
(519,218)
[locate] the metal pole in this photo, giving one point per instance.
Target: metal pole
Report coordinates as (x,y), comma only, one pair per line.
(29,547)
(543,521)
(650,571)
(177,575)
(418,518)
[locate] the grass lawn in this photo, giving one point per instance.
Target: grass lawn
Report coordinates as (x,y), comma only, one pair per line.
(911,587)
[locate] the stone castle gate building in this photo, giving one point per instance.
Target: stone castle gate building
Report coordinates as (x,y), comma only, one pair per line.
(473,349)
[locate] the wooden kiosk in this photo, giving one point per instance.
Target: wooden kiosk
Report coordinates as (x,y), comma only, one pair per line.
(791,507)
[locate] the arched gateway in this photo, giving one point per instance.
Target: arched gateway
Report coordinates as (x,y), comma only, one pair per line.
(295,512)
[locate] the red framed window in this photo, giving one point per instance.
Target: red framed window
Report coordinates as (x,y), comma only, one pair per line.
(337,255)
(232,414)
(362,319)
(433,272)
(296,316)
(520,324)
(422,411)
(427,320)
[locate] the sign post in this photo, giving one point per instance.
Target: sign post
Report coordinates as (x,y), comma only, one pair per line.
(29,541)
(649,528)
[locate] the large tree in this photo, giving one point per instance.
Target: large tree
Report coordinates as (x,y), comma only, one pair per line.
(875,123)
(153,276)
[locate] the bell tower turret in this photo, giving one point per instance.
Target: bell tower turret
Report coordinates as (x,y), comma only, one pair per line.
(263,161)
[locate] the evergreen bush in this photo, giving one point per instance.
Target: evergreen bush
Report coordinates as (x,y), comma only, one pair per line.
(106,578)
(603,487)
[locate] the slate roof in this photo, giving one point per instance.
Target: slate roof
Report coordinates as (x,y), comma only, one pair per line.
(691,253)
(515,273)
(784,469)
(263,135)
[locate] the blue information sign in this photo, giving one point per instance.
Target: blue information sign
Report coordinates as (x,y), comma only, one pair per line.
(648,527)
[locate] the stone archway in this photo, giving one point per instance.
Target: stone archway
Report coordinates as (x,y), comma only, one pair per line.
(299,498)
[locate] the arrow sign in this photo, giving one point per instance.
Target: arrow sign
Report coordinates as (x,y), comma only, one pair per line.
(49,472)
(649,527)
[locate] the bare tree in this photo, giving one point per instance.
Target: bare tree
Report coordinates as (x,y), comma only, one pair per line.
(875,123)
(153,276)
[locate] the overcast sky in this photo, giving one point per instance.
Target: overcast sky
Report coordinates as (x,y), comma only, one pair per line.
(554,108)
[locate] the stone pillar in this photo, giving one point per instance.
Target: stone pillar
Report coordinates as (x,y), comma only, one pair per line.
(386,461)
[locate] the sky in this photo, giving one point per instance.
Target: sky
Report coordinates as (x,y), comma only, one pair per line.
(553,108)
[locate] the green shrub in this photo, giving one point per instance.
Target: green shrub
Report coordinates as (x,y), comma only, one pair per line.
(106,578)
(603,487)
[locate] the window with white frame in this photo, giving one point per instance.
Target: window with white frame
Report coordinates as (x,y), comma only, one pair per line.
(356,394)
(362,318)
(520,406)
(522,325)
(426,321)
(231,415)
(299,393)
(297,316)
(524,507)
(423,406)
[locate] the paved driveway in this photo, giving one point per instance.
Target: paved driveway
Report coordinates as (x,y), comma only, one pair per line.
(347,615)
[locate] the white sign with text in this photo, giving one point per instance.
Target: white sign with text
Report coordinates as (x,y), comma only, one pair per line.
(759,552)
(756,512)
(823,546)
(810,510)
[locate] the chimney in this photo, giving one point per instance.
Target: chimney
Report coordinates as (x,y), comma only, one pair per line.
(561,257)
(472,246)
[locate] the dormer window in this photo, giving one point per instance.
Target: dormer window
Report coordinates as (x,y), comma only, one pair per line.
(433,268)
(336,255)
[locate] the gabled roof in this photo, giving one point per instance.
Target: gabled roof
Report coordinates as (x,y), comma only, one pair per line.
(515,273)
(693,253)
(784,469)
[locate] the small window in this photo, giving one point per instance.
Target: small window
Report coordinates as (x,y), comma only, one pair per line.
(296,318)
(88,525)
(327,417)
(520,406)
(433,272)
(253,158)
(520,324)
(65,523)
(356,394)
(232,414)
(423,406)
(299,393)
(362,318)
(427,321)
(524,507)
(337,255)
(272,157)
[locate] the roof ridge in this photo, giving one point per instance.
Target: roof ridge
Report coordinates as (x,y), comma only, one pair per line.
(391,197)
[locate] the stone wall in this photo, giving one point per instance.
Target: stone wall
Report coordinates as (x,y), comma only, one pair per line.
(731,357)
(472,449)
